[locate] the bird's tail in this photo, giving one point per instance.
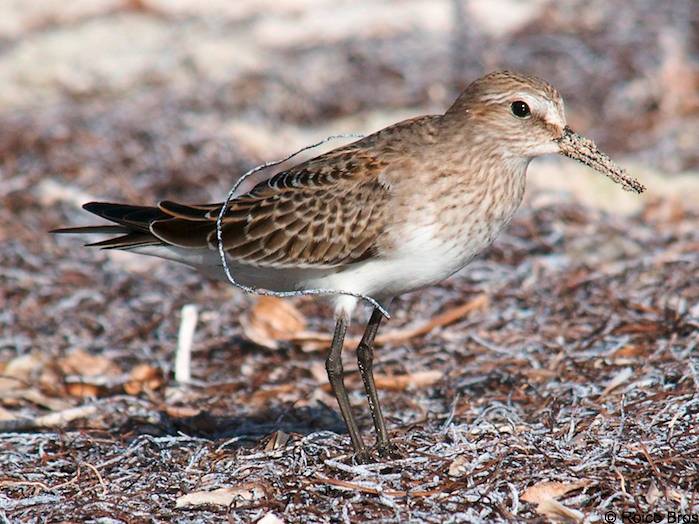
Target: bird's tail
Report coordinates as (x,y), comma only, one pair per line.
(132,225)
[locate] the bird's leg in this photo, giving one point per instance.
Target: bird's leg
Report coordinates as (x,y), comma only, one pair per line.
(365,361)
(333,365)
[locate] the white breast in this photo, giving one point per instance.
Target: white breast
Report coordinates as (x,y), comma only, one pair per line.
(433,244)
(425,257)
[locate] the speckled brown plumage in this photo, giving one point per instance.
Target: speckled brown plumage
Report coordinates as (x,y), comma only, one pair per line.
(325,212)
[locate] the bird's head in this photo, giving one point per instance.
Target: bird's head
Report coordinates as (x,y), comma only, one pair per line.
(522,116)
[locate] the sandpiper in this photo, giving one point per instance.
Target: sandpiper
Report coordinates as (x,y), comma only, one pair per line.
(399,210)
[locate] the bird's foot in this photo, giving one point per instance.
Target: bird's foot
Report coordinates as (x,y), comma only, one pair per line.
(388,450)
(385,450)
(363,456)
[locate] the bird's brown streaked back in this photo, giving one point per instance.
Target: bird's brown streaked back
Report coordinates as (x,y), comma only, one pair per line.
(294,220)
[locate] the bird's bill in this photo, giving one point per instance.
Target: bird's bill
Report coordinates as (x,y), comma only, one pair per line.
(584,150)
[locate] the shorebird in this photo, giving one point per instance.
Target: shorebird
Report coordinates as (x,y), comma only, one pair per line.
(396,211)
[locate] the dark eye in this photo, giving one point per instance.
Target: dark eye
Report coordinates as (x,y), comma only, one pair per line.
(520,109)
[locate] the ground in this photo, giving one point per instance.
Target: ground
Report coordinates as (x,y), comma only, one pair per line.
(556,378)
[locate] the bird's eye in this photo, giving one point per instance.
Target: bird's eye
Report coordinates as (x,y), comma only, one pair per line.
(520,109)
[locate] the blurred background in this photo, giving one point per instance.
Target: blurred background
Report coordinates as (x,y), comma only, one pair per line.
(155,99)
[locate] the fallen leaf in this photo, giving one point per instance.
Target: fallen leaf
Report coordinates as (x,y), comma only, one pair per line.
(84,364)
(245,492)
(538,374)
(11,383)
(182,411)
(419,379)
(653,494)
(629,350)
(143,377)
(261,396)
(642,327)
(544,495)
(81,390)
(22,366)
(272,320)
(551,489)
(51,382)
(409,381)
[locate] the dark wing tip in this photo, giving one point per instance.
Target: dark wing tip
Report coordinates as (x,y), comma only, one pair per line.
(89,230)
(127,241)
(94,207)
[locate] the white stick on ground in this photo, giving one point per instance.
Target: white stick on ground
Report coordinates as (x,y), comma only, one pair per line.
(183,358)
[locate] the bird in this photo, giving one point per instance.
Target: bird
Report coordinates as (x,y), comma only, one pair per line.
(394,212)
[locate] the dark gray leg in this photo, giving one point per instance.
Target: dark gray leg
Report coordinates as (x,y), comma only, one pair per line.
(365,361)
(333,365)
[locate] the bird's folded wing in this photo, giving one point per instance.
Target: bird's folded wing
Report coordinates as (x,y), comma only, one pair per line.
(318,214)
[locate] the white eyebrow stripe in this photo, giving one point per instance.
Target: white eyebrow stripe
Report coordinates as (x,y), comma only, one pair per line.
(533,101)
(548,109)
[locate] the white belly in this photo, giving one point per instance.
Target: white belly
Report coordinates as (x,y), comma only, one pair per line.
(423,259)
